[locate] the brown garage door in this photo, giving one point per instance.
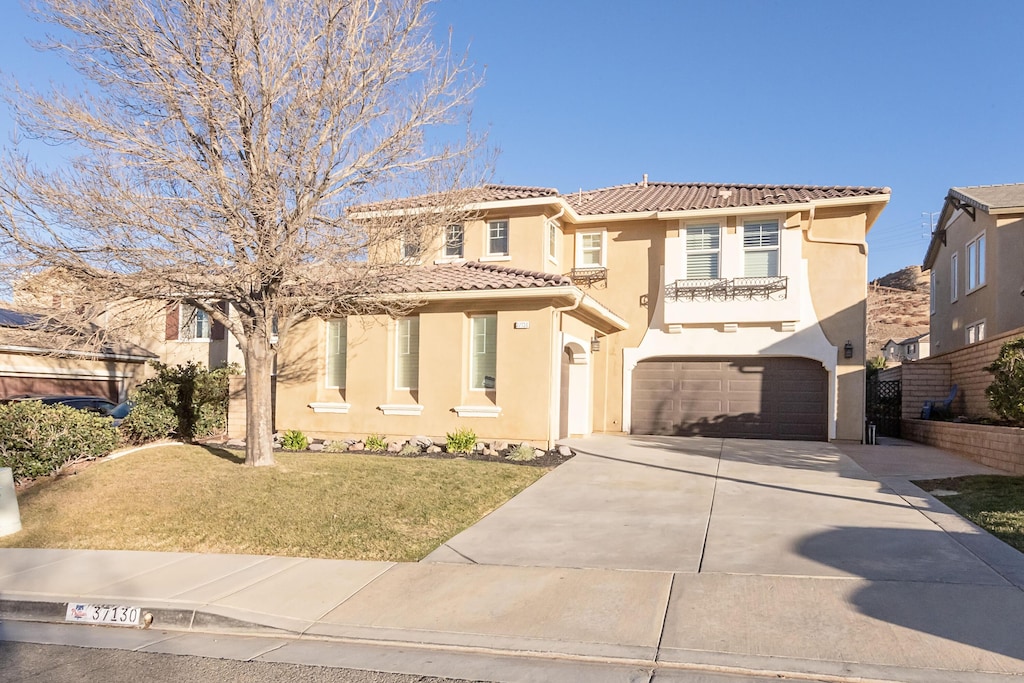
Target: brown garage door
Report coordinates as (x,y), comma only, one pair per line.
(754,398)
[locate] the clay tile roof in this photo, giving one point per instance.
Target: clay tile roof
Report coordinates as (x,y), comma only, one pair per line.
(473,195)
(653,196)
(988,197)
(472,276)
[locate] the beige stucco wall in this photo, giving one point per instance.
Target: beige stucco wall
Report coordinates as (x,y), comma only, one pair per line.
(524,390)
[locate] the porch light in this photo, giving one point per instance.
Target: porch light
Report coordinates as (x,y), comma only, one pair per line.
(595,344)
(848,350)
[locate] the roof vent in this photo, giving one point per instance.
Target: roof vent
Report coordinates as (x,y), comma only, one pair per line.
(644,183)
(725,194)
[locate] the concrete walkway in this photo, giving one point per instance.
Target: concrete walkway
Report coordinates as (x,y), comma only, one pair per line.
(641,554)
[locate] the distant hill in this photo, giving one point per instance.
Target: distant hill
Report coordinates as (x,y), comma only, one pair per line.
(897,308)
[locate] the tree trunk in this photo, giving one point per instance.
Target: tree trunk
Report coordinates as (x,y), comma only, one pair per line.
(259,409)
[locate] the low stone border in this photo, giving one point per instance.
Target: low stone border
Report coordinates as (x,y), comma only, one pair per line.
(518,453)
(998,447)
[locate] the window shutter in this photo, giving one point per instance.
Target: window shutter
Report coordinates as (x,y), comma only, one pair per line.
(171,322)
(219,331)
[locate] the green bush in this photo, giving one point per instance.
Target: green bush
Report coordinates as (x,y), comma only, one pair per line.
(149,420)
(36,440)
(375,443)
(1006,393)
(294,440)
(196,398)
(462,441)
(524,452)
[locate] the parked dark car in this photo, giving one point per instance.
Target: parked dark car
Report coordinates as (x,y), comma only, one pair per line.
(93,404)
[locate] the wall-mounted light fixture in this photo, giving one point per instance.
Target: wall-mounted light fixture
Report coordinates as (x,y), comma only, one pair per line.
(848,350)
(595,344)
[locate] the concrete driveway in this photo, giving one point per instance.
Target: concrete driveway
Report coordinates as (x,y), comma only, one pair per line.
(731,506)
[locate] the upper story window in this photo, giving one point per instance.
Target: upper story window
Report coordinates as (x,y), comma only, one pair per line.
(497,238)
(407,353)
(954,276)
(976,262)
(337,351)
(931,292)
(761,248)
(590,249)
(454,237)
(703,244)
(553,241)
(483,351)
(195,323)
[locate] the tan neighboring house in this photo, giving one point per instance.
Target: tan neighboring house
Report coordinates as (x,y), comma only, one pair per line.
(650,308)
(34,361)
(976,264)
(910,349)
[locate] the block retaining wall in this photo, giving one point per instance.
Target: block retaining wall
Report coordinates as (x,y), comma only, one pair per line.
(998,447)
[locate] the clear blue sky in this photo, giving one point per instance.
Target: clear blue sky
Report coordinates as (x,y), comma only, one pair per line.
(915,95)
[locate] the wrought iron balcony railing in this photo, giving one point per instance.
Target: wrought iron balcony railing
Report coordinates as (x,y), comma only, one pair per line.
(721,289)
(588,276)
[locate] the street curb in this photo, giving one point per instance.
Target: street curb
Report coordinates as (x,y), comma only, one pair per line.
(186,619)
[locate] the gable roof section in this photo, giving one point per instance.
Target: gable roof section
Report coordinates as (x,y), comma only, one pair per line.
(469,276)
(654,196)
(992,198)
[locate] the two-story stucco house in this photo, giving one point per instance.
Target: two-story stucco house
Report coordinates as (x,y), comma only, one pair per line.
(650,308)
(976,264)
(911,348)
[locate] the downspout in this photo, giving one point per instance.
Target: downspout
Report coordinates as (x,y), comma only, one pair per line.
(556,368)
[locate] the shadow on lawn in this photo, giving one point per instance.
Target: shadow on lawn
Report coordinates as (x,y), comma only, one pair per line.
(235,457)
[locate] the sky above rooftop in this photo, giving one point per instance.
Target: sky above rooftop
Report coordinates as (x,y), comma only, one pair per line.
(919,96)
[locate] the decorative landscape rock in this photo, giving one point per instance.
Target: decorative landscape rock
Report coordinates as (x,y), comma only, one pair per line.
(235,443)
(434,449)
(422,441)
(357,446)
(395,446)
(564,451)
(316,446)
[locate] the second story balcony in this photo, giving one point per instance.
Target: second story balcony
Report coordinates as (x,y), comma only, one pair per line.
(734,289)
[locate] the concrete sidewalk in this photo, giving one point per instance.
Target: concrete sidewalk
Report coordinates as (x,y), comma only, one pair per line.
(639,555)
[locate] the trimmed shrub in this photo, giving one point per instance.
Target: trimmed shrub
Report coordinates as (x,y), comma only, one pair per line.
(149,420)
(294,440)
(461,441)
(1006,393)
(196,398)
(36,440)
(376,443)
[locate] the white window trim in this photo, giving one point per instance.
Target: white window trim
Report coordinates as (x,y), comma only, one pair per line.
(954,276)
(687,252)
(974,325)
(931,292)
(477,411)
(979,258)
(398,329)
(604,247)
(444,245)
(186,321)
(408,409)
(472,355)
(552,227)
(327,354)
(492,259)
(744,250)
(330,407)
(502,255)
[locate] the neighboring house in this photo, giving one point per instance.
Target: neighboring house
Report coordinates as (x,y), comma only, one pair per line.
(914,348)
(651,308)
(976,264)
(35,360)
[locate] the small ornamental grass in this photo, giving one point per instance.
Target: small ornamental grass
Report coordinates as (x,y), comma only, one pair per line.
(204,500)
(524,452)
(462,440)
(376,443)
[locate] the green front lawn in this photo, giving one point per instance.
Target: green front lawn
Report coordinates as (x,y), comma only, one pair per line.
(196,499)
(995,503)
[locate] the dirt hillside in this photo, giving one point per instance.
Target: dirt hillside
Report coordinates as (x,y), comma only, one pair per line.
(897,308)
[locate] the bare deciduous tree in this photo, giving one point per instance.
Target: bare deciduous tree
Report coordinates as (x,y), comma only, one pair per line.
(218,147)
